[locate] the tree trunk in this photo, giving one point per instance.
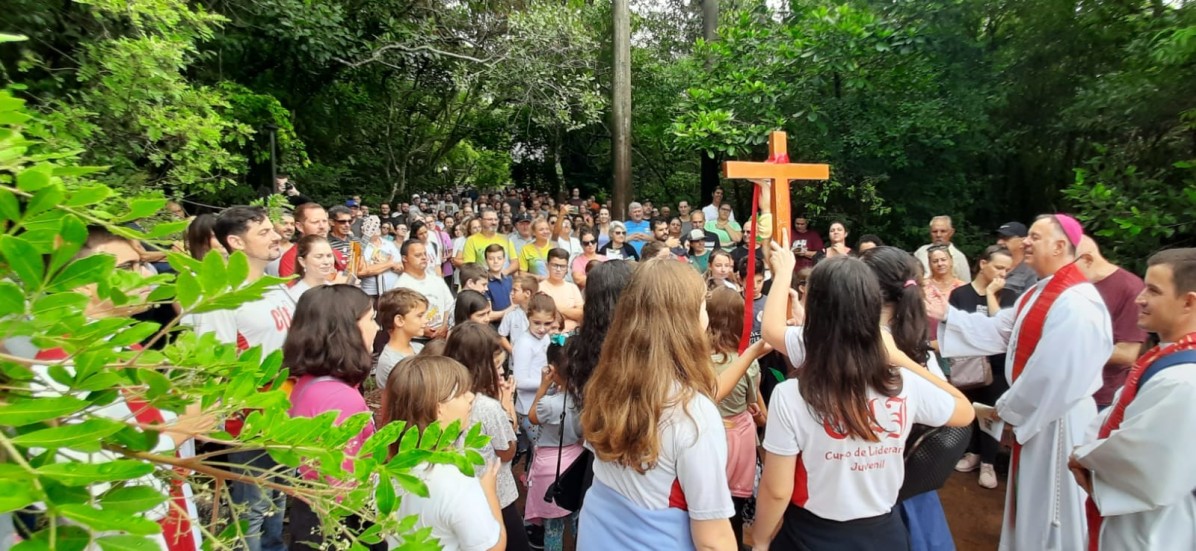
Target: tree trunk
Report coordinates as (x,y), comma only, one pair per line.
(621,109)
(709,165)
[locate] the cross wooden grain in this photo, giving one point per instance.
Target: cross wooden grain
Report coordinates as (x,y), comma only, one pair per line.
(778,169)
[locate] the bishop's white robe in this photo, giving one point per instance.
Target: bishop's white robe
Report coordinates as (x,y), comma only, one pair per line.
(1142,475)
(1049,406)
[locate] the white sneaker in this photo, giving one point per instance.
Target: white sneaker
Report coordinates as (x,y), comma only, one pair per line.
(988,476)
(969,463)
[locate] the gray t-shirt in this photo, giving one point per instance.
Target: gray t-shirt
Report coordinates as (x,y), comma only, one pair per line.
(497,426)
(387,361)
(548,411)
(1020,278)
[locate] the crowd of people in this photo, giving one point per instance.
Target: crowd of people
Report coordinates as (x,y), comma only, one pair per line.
(640,392)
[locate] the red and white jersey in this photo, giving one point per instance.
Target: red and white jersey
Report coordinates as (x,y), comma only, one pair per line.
(263,322)
(840,477)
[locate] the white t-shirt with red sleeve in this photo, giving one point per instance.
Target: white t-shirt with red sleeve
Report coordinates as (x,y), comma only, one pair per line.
(690,472)
(844,478)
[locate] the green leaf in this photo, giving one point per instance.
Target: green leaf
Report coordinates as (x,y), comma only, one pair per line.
(141,208)
(132,499)
(12,300)
(385,496)
(71,236)
(212,274)
(88,196)
(33,179)
(411,484)
(103,520)
(18,493)
(36,410)
(82,474)
(10,209)
(5,37)
(187,289)
(89,269)
(86,436)
(127,543)
(69,538)
(23,259)
(44,200)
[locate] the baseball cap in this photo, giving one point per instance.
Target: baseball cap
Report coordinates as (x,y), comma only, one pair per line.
(697,235)
(523,217)
(350,203)
(1012,229)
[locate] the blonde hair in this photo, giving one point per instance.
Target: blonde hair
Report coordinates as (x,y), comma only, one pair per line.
(416,388)
(653,358)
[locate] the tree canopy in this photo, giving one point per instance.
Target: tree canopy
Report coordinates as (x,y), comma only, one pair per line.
(987,111)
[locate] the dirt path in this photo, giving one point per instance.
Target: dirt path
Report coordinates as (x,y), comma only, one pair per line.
(973,513)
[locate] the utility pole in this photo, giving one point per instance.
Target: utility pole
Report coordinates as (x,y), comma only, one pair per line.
(709,169)
(621,109)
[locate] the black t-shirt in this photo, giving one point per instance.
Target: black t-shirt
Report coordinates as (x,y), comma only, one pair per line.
(740,253)
(967,299)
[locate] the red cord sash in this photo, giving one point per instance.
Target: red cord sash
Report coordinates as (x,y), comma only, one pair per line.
(1113,421)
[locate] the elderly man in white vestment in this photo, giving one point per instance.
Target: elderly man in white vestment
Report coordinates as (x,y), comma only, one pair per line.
(1138,471)
(1057,339)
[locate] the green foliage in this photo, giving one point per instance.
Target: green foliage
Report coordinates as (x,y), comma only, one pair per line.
(108,476)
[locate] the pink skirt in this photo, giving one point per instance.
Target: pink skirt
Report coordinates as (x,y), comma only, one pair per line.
(542,475)
(741,454)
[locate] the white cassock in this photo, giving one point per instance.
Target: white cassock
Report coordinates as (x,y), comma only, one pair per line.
(1142,475)
(1049,406)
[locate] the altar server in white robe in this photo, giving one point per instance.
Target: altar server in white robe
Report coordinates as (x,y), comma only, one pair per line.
(1057,338)
(1139,471)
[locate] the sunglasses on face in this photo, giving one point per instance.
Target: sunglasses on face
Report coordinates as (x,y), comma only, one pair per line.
(344,221)
(588,242)
(620,233)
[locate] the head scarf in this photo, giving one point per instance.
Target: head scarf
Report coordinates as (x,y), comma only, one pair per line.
(371,226)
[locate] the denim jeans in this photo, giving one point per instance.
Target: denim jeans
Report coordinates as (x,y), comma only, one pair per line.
(263,508)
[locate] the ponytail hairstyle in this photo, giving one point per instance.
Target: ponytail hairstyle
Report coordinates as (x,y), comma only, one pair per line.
(994,250)
(845,357)
(724,307)
(897,273)
(541,303)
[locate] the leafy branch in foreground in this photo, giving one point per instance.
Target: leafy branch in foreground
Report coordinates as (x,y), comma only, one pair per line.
(92,477)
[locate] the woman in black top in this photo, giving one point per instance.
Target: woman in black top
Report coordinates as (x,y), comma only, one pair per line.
(618,248)
(985,294)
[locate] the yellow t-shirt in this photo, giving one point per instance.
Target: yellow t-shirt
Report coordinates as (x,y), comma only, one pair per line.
(534,260)
(475,248)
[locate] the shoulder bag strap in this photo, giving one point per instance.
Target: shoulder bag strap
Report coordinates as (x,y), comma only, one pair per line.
(560,441)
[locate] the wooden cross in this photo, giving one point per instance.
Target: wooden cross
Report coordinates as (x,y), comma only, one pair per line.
(780,171)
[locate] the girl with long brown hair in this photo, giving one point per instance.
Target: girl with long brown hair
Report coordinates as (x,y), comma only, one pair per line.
(660,478)
(833,464)
(478,347)
(462,512)
(743,406)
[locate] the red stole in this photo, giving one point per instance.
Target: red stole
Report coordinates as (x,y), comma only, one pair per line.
(1117,415)
(1028,336)
(176,525)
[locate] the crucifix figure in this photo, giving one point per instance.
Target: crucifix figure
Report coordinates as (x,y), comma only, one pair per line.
(779,171)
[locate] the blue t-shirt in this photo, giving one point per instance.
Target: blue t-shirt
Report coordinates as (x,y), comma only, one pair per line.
(498,290)
(643,226)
